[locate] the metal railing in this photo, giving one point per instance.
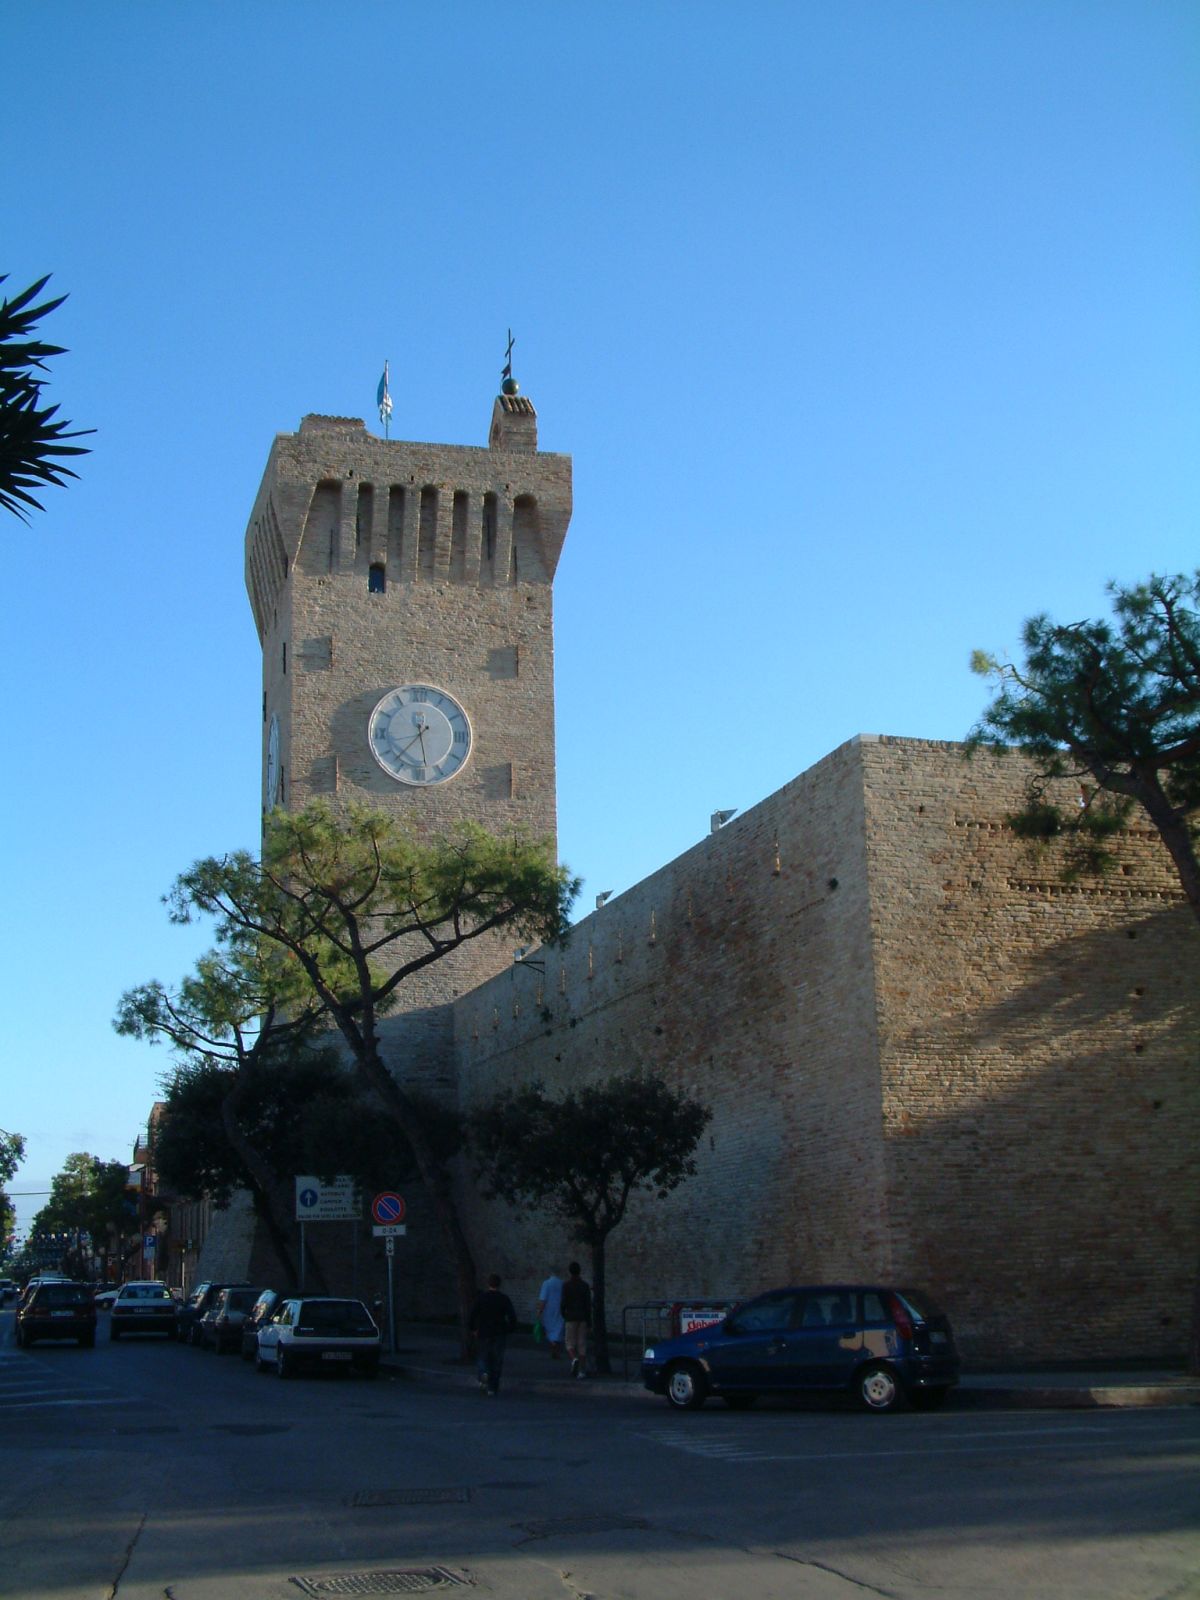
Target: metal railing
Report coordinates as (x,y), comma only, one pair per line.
(664,1319)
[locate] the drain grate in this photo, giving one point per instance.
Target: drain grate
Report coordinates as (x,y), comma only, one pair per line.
(411,1580)
(410,1497)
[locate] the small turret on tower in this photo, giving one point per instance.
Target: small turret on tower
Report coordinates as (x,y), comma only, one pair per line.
(514,421)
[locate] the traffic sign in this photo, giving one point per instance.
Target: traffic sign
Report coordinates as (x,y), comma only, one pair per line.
(338,1201)
(388,1206)
(390,1247)
(389,1230)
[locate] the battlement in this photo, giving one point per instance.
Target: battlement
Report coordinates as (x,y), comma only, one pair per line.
(338,500)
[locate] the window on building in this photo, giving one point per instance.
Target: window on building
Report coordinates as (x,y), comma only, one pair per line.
(377,579)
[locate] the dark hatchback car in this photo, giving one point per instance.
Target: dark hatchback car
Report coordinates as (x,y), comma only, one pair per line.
(220,1328)
(58,1311)
(883,1346)
(202,1298)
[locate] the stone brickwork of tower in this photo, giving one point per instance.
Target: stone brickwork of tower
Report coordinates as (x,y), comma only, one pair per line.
(384,568)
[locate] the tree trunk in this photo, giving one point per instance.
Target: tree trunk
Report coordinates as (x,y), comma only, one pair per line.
(1177,836)
(437,1183)
(263,1188)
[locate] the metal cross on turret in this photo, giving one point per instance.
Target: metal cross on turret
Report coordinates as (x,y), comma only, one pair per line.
(508,384)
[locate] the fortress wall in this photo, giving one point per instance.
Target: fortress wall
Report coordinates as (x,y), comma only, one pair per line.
(951,1070)
(741,972)
(1041,1101)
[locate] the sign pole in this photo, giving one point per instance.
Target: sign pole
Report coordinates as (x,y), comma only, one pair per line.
(391,1299)
(302,1253)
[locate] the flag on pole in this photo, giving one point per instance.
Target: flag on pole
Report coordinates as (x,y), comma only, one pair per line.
(382,398)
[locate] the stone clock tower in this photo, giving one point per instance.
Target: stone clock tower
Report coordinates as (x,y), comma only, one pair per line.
(403,598)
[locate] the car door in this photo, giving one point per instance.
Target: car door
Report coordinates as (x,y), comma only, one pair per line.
(750,1351)
(823,1347)
(268,1334)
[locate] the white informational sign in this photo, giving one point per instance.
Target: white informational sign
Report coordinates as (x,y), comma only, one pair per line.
(389,1230)
(338,1201)
(390,1247)
(693,1317)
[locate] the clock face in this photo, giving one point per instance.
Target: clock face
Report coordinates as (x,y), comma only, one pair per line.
(419,734)
(272,762)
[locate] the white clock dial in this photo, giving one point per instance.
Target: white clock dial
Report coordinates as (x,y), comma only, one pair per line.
(419,734)
(272,762)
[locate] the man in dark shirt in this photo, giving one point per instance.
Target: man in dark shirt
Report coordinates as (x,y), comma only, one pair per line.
(577,1314)
(492,1320)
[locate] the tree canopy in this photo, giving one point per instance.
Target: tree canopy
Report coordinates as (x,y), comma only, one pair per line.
(584,1156)
(348,905)
(32,436)
(89,1204)
(1117,705)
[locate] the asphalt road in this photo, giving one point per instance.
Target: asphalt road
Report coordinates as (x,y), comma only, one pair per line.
(149,1471)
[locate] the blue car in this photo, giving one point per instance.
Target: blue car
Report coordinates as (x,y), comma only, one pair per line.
(885,1347)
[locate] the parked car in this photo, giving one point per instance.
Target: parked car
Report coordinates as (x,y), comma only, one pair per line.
(319,1332)
(221,1325)
(60,1310)
(884,1346)
(202,1297)
(8,1290)
(144,1306)
(104,1297)
(263,1309)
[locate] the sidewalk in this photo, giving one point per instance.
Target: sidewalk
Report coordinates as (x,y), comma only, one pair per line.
(428,1353)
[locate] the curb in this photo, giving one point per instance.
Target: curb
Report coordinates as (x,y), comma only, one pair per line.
(1182,1392)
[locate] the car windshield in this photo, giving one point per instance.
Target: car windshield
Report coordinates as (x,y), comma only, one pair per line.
(145,1291)
(63,1294)
(334,1316)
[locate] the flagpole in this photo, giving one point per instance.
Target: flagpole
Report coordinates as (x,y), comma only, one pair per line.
(384,401)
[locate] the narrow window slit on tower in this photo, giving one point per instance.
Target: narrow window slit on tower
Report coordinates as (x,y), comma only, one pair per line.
(377,579)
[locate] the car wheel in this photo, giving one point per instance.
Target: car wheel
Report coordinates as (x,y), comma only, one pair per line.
(87,1340)
(259,1364)
(247,1353)
(686,1387)
(929,1399)
(283,1367)
(114,1334)
(879,1388)
(740,1402)
(370,1369)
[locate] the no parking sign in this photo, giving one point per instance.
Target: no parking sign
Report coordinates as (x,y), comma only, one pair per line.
(388,1210)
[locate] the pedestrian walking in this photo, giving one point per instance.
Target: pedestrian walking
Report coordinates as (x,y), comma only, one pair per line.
(577,1318)
(492,1320)
(550,1312)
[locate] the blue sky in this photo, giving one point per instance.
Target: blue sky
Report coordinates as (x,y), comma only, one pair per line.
(872,328)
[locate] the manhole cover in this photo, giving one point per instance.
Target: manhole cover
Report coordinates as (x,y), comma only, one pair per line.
(410,1497)
(410,1580)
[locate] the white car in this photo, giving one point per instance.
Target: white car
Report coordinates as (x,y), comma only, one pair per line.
(143,1306)
(319,1331)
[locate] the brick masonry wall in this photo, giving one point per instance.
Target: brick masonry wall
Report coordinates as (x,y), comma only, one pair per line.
(1038,1042)
(742,973)
(950,1069)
